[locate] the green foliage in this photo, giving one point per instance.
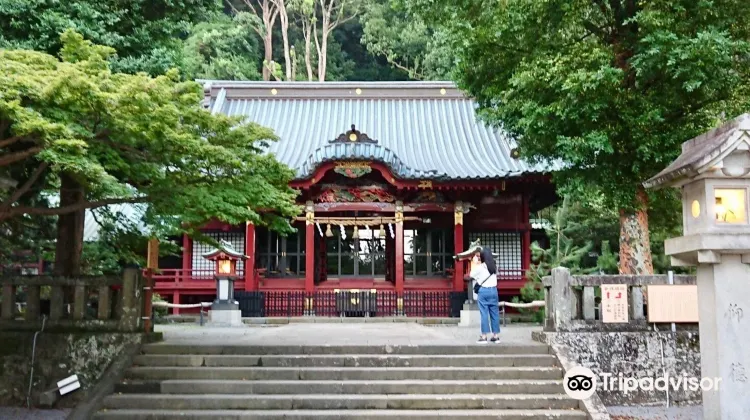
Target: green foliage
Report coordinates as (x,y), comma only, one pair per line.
(133,139)
(145,34)
(563,251)
(406,41)
(531,291)
(610,88)
(224,48)
(606,263)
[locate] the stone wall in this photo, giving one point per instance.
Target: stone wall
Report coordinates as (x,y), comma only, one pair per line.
(636,355)
(58,355)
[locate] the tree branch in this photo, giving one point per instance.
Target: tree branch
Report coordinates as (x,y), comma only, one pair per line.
(26,186)
(10,140)
(15,211)
(15,157)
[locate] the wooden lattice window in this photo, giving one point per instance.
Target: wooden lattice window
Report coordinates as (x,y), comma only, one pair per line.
(205,268)
(508,245)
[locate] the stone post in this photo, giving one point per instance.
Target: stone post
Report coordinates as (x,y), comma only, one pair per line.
(130,298)
(560,299)
(713,174)
(724,309)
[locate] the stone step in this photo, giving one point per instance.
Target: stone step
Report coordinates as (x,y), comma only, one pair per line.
(340,414)
(347,360)
(241,387)
(344,374)
(472,349)
(340,402)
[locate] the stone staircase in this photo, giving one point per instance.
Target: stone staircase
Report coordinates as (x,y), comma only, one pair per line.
(170,381)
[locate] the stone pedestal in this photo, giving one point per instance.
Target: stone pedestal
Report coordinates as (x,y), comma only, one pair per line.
(724,310)
(225,315)
(470,315)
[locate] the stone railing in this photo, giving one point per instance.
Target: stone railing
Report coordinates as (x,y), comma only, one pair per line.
(71,303)
(572,304)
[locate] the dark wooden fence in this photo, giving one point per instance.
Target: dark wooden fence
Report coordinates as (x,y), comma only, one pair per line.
(350,303)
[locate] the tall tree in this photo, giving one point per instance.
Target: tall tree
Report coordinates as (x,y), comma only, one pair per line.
(101,138)
(145,34)
(333,13)
(406,41)
(266,11)
(224,48)
(610,88)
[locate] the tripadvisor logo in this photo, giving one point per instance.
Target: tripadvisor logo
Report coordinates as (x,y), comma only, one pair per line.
(580,383)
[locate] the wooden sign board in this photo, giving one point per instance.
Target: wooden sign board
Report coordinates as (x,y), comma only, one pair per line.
(152,259)
(614,303)
(672,303)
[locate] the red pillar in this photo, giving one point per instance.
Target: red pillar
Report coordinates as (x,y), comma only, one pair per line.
(458,246)
(526,241)
(310,248)
(399,249)
(250,261)
(187,257)
(176,301)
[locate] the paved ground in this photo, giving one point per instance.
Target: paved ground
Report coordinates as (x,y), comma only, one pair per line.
(11,413)
(321,334)
(656,413)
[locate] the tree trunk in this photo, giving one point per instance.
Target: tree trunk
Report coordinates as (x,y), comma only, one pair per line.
(323,57)
(308,59)
(268,55)
(69,245)
(635,246)
(284,18)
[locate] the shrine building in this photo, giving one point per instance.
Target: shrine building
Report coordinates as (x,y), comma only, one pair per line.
(395,179)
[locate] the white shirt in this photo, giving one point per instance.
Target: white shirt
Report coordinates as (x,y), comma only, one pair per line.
(479,273)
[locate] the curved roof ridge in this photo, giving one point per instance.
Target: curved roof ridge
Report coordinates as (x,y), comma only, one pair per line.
(365,151)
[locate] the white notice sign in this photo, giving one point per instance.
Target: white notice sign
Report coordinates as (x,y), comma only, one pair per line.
(614,307)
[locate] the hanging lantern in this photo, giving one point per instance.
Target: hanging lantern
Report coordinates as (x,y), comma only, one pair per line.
(329,233)
(356,233)
(381,232)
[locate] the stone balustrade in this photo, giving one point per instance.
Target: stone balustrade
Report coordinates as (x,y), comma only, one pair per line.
(572,305)
(118,306)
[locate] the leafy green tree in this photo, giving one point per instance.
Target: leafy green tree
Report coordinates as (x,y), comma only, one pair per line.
(145,34)
(606,262)
(407,42)
(611,88)
(97,138)
(563,251)
(225,48)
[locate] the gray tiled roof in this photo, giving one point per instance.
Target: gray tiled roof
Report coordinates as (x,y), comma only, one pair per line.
(423,129)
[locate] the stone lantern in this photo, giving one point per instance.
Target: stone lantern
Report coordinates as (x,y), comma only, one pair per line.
(713,173)
(225,309)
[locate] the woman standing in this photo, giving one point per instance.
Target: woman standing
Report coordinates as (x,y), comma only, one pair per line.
(485,274)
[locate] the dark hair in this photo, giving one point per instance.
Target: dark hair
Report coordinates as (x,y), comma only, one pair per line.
(486,257)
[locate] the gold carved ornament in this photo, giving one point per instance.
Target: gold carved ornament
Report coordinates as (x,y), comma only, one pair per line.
(309,213)
(425,184)
(458,213)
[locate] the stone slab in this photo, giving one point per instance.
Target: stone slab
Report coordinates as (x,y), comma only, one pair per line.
(342,414)
(470,318)
(232,318)
(342,402)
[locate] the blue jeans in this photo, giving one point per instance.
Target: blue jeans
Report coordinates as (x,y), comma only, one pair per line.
(488,310)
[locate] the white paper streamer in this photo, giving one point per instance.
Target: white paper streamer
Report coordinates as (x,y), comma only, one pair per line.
(319,229)
(343,232)
(390,227)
